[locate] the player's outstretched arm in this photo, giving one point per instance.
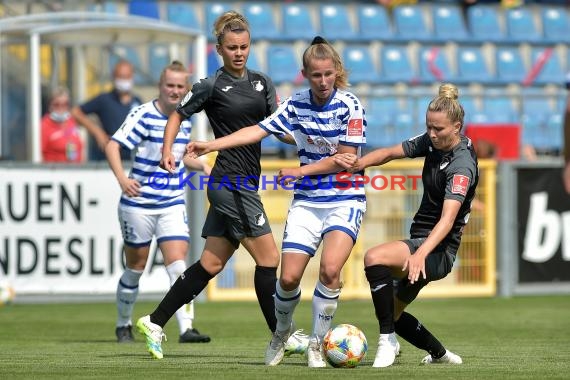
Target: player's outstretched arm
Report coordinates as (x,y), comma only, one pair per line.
(168,162)
(244,136)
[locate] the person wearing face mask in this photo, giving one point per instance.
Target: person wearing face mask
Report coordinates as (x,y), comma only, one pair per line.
(61,141)
(111,108)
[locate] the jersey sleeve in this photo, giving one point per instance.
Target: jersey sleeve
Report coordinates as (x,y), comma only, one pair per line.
(278,122)
(417,146)
(196,98)
(353,124)
(460,176)
(132,131)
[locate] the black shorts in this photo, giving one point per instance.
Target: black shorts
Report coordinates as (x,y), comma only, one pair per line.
(234,214)
(438,265)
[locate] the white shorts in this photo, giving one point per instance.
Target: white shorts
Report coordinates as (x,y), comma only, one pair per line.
(306,226)
(138,229)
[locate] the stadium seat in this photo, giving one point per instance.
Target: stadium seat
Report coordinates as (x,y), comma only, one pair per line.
(183,14)
(499,109)
(555,24)
(433,65)
(105,6)
(261,21)
(473,113)
(213,60)
(390,120)
(484,24)
(546,62)
(374,23)
(396,65)
(510,65)
(471,66)
(297,22)
(410,24)
(158,58)
(520,26)
(145,8)
(282,65)
(253,62)
(448,23)
(335,22)
(213,11)
(360,65)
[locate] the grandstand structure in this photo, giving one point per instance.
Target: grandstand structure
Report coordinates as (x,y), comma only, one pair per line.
(490,52)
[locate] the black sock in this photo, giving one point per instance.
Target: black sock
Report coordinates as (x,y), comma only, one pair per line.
(382,290)
(264,281)
(409,328)
(185,289)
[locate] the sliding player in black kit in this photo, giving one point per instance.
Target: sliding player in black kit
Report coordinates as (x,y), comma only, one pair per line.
(450,176)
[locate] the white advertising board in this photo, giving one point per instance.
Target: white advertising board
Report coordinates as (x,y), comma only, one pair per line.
(59,233)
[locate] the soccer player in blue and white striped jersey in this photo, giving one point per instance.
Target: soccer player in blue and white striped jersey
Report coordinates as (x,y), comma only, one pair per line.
(152,199)
(324,120)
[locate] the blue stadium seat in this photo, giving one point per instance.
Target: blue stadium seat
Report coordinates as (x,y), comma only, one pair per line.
(253,62)
(105,6)
(471,66)
(213,60)
(261,21)
(360,65)
(473,113)
(335,22)
(396,65)
(282,65)
(386,120)
(520,26)
(448,23)
(541,121)
(500,109)
(374,23)
(183,14)
(509,64)
(551,68)
(297,22)
(434,65)
(484,24)
(118,52)
(213,11)
(158,58)
(146,8)
(555,24)
(410,24)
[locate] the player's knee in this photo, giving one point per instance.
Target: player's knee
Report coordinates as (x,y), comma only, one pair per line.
(375,256)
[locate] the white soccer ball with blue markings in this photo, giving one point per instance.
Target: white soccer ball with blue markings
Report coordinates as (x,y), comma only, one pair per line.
(345,346)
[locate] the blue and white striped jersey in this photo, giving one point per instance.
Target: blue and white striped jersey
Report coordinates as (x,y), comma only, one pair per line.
(143,129)
(318,131)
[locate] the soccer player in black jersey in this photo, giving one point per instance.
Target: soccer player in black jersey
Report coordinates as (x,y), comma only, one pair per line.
(450,176)
(233,98)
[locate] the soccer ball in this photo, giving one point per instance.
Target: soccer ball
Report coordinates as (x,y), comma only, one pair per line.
(7,293)
(345,346)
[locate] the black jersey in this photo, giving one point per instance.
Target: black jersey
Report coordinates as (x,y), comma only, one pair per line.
(445,175)
(231,104)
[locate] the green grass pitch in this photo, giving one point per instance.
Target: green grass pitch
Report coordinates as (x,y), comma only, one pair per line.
(516,338)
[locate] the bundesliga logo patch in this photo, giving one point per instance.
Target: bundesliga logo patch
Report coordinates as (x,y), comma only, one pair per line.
(355,127)
(460,184)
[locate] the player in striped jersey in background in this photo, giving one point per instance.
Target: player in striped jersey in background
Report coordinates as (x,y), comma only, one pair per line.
(150,208)
(324,120)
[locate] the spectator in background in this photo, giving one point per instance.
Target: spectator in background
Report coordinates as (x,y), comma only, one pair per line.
(566,173)
(111,108)
(61,141)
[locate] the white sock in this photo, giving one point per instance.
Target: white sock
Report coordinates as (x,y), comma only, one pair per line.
(184,315)
(127,292)
(325,301)
(285,304)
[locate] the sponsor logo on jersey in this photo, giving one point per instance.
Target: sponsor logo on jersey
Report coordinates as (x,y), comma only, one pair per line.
(257,85)
(355,127)
(259,219)
(460,184)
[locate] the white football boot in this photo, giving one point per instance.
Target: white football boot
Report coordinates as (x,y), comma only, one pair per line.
(448,358)
(388,349)
(315,353)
